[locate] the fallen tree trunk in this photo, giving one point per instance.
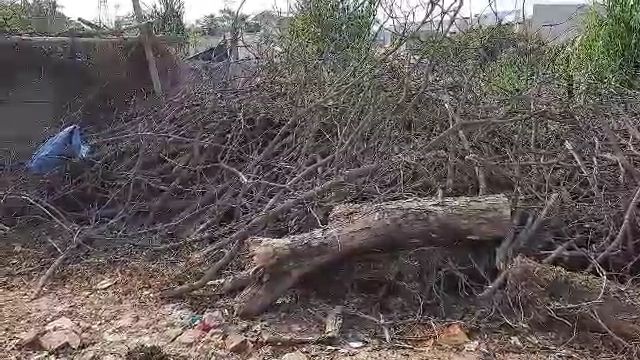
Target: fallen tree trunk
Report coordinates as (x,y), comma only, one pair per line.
(361,229)
(549,295)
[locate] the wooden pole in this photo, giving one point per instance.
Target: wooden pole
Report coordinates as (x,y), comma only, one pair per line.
(146,34)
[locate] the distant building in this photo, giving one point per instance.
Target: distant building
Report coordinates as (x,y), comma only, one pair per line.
(558,22)
(460,25)
(270,20)
(490,18)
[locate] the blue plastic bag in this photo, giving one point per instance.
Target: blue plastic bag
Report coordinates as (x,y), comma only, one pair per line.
(66,145)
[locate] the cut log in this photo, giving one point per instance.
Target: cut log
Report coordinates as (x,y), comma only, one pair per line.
(363,229)
(549,295)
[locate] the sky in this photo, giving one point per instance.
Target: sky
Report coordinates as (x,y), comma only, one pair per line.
(195,9)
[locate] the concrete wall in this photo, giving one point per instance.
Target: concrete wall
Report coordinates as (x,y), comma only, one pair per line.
(26,113)
(47,83)
(558,22)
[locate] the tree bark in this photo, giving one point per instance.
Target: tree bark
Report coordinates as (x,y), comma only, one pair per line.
(361,229)
(146,34)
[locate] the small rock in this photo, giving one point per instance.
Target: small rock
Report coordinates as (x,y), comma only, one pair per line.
(236,343)
(28,338)
(54,340)
(172,334)
(104,284)
(190,336)
(355,344)
(296,355)
(84,326)
(111,337)
(214,338)
(127,320)
(63,323)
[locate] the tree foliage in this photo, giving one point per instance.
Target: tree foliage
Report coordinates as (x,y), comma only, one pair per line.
(218,24)
(42,16)
(13,18)
(336,29)
(169,17)
(209,25)
(608,51)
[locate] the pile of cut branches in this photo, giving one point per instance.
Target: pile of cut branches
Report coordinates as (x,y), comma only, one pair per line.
(221,166)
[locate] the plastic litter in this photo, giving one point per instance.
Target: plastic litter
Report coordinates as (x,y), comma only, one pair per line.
(66,145)
(195,319)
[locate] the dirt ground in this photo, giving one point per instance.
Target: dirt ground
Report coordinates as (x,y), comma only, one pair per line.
(114,306)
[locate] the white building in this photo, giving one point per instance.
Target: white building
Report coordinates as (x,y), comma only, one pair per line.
(558,22)
(490,18)
(553,21)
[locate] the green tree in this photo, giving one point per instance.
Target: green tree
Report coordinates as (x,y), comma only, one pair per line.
(210,25)
(168,16)
(608,51)
(125,21)
(42,16)
(332,29)
(223,22)
(14,18)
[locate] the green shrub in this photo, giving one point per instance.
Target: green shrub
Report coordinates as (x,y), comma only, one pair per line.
(510,76)
(608,51)
(338,31)
(168,16)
